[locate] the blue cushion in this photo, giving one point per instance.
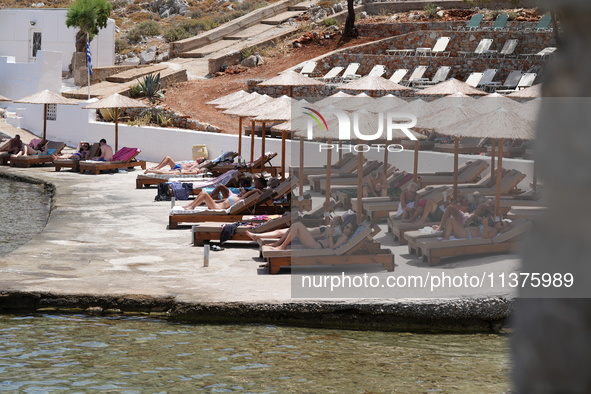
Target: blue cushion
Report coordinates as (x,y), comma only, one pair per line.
(50,151)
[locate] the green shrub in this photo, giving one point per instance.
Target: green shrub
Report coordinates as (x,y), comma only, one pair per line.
(175,33)
(431,10)
(142,30)
(135,91)
(121,44)
(330,22)
(325,3)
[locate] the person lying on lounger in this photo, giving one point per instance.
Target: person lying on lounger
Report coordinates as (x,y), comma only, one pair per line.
(332,230)
(298,231)
(182,165)
(33,149)
(205,198)
(408,201)
(178,171)
(82,153)
(487,229)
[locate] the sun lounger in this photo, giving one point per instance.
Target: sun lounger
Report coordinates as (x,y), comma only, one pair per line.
(417,73)
(347,163)
(53,147)
(473,23)
(123,158)
(254,167)
(481,49)
(308,68)
(208,231)
(500,23)
(466,146)
(74,164)
(526,81)
(350,72)
(199,182)
(318,182)
(434,249)
(507,50)
(543,24)
(474,79)
(487,186)
(530,213)
(438,48)
(332,74)
(511,82)
(360,249)
(487,76)
(378,70)
(398,75)
(440,76)
(467,173)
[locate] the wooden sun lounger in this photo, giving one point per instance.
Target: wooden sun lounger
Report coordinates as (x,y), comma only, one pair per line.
(318,182)
(346,165)
(95,167)
(412,237)
(531,213)
(433,249)
(467,173)
(208,231)
(27,161)
(73,163)
(360,249)
(254,167)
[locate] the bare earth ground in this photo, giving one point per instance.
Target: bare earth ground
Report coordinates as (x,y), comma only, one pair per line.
(190,97)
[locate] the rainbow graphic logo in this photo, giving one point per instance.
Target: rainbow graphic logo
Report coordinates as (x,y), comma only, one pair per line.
(317,116)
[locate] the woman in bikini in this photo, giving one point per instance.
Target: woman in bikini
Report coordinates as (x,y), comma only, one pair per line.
(207,199)
(300,232)
(485,230)
(334,229)
(29,149)
(82,153)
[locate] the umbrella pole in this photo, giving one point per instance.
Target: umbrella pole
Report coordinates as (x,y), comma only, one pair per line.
(263,148)
(386,158)
(456,149)
(492,162)
(240,136)
(499,177)
(328,174)
(116,129)
(535,182)
(252,141)
(340,150)
(301,196)
(283,154)
(44,122)
(416,165)
(359,186)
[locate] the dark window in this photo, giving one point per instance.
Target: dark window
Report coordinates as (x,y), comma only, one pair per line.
(36,43)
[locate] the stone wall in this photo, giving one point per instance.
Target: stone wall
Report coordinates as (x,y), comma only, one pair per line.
(296,92)
(375,7)
(395,29)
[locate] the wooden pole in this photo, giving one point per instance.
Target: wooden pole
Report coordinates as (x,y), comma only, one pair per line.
(416,165)
(301,196)
(240,136)
(359,187)
(263,148)
(456,151)
(283,132)
(252,141)
(44,122)
(328,174)
(499,178)
(116,129)
(492,161)
(386,158)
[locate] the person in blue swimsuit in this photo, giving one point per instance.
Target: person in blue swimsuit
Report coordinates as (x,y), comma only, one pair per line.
(176,166)
(485,230)
(211,203)
(82,153)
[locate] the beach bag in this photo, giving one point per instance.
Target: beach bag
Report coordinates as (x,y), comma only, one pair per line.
(162,192)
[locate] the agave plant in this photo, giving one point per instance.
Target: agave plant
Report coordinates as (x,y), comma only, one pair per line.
(151,88)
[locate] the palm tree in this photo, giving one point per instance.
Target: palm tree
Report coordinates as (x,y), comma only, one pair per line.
(89,16)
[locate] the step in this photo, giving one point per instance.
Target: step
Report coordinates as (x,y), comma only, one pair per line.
(249,32)
(207,49)
(303,6)
(281,18)
(135,73)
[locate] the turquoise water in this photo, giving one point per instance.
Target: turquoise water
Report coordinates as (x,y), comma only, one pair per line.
(77,354)
(24,210)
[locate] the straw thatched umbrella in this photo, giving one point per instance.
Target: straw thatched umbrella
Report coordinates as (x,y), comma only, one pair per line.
(117,102)
(334,99)
(2,98)
(492,102)
(229,97)
(46,97)
(291,79)
(531,92)
(248,109)
(448,87)
(500,125)
(451,101)
(278,110)
(448,117)
(373,84)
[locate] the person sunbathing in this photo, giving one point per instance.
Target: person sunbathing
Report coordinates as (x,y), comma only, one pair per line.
(178,171)
(332,230)
(13,146)
(82,153)
(182,165)
(297,231)
(32,149)
(487,229)
(208,200)
(377,185)
(408,201)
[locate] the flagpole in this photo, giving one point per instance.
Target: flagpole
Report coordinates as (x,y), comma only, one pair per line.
(88,64)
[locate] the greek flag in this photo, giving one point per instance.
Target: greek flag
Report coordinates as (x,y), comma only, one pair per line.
(88,57)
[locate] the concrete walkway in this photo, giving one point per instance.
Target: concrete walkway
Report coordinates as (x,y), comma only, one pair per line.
(106,238)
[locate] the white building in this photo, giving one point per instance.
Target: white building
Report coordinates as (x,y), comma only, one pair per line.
(23,32)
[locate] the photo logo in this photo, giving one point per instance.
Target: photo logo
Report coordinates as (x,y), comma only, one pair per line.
(350,129)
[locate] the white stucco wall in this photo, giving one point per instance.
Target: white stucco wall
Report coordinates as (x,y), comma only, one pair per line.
(74,124)
(16,33)
(18,80)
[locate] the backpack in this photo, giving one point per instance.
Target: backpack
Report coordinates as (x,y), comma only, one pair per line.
(163,194)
